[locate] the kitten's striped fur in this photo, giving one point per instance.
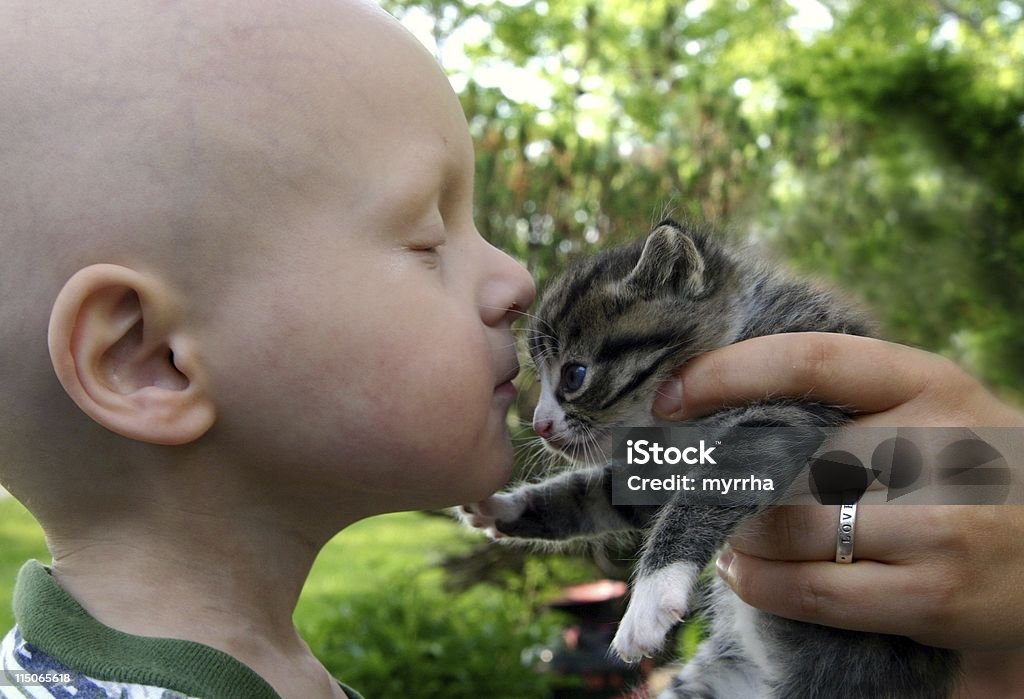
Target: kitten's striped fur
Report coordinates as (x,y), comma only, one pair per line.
(630,316)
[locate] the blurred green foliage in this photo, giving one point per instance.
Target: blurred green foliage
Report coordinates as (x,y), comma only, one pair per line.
(877,144)
(410,638)
(20,539)
(377,612)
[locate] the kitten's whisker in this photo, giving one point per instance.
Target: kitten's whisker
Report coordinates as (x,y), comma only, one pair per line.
(585,443)
(536,462)
(545,460)
(599,448)
(554,459)
(543,356)
(522,313)
(536,332)
(591,440)
(505,346)
(586,451)
(536,337)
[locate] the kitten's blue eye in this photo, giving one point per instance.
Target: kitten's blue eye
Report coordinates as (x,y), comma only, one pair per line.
(572,377)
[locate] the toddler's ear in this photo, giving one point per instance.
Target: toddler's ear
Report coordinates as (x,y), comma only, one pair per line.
(118,348)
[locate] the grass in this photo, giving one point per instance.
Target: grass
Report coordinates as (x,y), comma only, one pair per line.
(379,551)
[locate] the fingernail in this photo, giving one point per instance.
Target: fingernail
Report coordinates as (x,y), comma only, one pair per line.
(723,563)
(668,402)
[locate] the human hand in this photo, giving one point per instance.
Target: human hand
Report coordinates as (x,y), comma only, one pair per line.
(943,575)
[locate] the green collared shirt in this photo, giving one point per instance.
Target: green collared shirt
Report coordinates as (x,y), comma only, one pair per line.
(55,633)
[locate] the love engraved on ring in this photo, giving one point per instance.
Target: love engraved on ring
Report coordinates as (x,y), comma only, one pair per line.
(844,538)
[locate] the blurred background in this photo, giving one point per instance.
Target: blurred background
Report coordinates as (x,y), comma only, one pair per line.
(875,144)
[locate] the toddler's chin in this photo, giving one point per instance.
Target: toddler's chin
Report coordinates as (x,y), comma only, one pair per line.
(495,471)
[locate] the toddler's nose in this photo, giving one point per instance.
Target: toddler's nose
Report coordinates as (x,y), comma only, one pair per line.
(545,428)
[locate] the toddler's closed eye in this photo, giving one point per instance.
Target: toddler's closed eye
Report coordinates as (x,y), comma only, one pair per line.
(430,250)
(426,247)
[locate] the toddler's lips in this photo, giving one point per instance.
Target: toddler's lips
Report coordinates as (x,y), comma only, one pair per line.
(508,376)
(506,388)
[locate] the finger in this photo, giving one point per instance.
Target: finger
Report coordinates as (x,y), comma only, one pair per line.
(860,373)
(809,533)
(861,596)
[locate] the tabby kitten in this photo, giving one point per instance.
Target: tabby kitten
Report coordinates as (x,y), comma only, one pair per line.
(605,335)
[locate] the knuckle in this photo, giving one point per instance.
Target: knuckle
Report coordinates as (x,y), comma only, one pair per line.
(941,595)
(815,360)
(952,527)
(950,373)
(809,598)
(947,378)
(765,537)
(935,521)
(746,588)
(792,525)
(715,375)
(783,533)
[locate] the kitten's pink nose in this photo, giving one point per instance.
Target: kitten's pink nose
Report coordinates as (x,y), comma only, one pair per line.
(544,428)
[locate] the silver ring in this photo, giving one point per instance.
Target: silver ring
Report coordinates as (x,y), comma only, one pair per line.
(844,534)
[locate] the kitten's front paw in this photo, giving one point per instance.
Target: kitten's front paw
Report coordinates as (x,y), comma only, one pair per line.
(487,513)
(658,601)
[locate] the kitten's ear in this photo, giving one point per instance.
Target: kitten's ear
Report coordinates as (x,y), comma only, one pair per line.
(669,257)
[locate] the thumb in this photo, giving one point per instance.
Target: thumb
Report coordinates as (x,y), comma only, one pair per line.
(668,400)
